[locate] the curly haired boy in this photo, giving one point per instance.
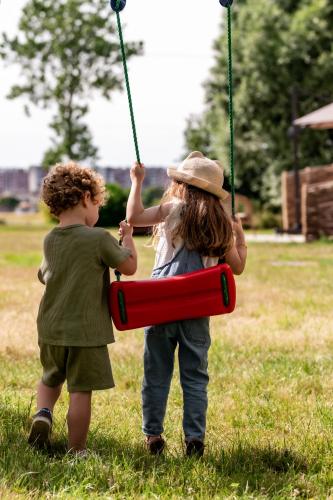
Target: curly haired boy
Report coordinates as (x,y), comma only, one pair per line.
(74,325)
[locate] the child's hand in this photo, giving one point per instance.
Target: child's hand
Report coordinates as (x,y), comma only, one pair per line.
(137,172)
(125,229)
(237,227)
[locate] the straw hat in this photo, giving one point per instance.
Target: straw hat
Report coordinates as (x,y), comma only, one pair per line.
(201,172)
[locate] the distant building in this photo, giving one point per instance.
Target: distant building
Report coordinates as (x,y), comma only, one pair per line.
(115,175)
(155,176)
(25,184)
(35,177)
(13,182)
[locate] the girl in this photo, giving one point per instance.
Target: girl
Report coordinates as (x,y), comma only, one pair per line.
(192,231)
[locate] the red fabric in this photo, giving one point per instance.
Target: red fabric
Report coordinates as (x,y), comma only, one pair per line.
(186,296)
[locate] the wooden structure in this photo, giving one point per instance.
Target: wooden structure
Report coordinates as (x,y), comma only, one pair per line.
(316,186)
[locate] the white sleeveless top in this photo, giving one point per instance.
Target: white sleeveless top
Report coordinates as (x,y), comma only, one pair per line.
(166,249)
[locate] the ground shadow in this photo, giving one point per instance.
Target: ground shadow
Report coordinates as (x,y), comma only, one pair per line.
(259,469)
(251,468)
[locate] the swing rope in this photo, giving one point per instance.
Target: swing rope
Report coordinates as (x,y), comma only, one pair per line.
(128,88)
(117,6)
(231,115)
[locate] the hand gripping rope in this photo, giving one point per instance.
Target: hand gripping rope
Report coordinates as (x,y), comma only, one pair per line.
(207,292)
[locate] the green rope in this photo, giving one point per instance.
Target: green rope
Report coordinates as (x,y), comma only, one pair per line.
(128,88)
(231,114)
(230,83)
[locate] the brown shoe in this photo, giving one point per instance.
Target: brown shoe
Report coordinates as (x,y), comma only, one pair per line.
(155,444)
(194,448)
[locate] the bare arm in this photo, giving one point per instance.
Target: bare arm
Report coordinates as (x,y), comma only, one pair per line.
(136,214)
(129,266)
(236,257)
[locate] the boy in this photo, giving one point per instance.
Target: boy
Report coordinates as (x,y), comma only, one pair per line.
(74,325)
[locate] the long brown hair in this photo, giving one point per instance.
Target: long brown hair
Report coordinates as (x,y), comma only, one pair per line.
(204,225)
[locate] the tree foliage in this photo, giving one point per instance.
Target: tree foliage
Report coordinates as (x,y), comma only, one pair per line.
(152,196)
(9,203)
(114,210)
(277,46)
(67,50)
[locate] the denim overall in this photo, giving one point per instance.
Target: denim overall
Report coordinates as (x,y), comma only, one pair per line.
(193,339)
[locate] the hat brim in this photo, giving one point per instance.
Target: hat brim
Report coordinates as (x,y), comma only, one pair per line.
(197,182)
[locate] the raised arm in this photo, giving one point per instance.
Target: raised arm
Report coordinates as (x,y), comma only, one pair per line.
(136,214)
(236,257)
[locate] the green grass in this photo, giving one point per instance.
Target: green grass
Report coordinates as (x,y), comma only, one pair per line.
(31,259)
(270,418)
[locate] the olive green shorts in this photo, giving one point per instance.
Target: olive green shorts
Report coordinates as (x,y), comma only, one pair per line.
(85,368)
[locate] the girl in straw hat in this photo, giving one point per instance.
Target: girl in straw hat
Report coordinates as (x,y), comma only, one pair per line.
(192,231)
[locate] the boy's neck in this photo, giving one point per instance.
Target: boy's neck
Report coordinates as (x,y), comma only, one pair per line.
(71,217)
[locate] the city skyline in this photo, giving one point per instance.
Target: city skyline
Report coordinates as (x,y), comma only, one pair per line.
(26,183)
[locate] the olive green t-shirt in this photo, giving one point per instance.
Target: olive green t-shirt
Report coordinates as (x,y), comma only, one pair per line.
(75,270)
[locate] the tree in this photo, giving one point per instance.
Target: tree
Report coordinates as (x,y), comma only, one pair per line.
(152,196)
(9,203)
(67,50)
(198,136)
(277,45)
(114,210)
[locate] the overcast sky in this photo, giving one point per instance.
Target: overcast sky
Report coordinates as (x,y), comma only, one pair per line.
(166,86)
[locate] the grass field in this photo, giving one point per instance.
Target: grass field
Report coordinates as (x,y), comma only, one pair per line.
(270,419)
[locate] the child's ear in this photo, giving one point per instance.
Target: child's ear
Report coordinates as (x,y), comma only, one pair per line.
(86,198)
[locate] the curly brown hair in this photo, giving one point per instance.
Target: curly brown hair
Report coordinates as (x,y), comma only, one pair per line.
(65,185)
(204,225)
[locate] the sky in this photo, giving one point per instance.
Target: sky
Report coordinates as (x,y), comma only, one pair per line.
(166,85)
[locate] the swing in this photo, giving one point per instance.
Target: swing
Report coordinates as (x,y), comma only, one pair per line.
(207,292)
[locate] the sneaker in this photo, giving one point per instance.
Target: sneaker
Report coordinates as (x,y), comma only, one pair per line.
(194,448)
(155,444)
(40,430)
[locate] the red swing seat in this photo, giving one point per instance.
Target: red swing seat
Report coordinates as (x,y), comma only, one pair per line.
(207,292)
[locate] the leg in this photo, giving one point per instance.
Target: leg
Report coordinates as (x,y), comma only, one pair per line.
(78,420)
(47,396)
(88,369)
(193,365)
(160,344)
(48,392)
(54,373)
(41,426)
